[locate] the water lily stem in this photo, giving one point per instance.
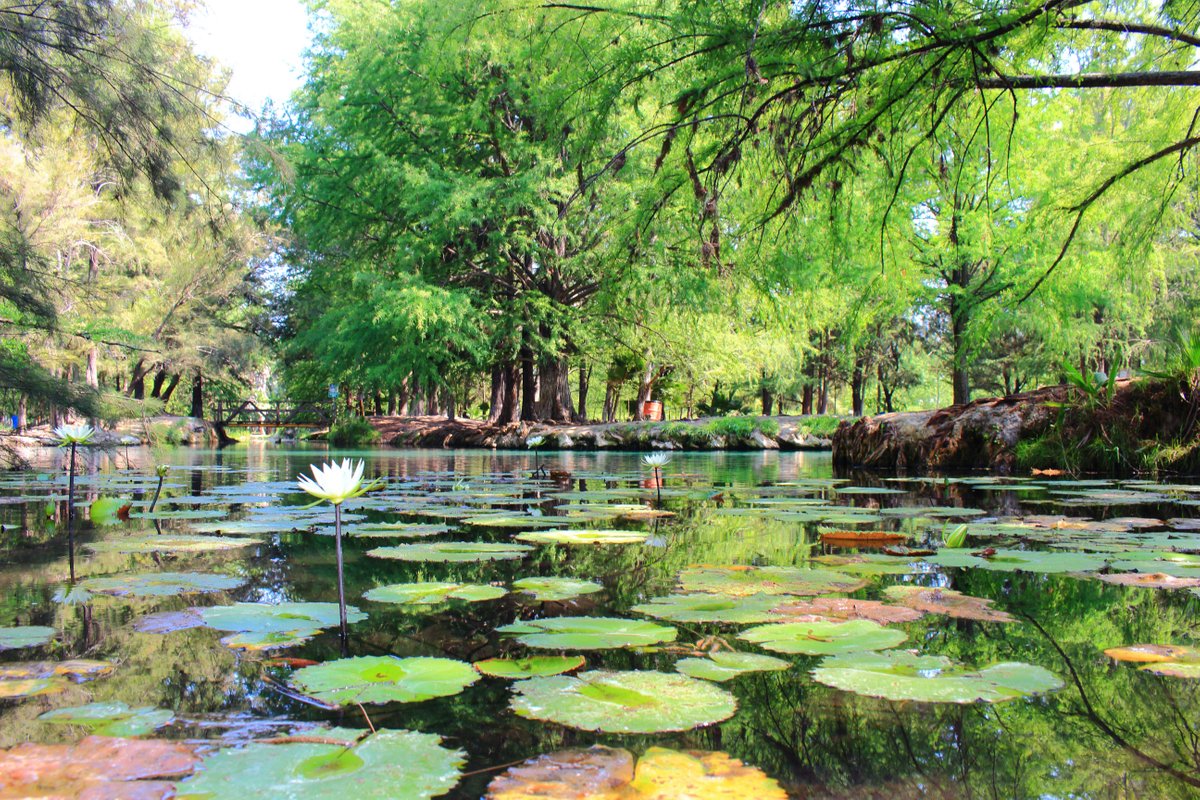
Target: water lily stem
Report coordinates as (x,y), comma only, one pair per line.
(71,516)
(658,484)
(157,492)
(337,535)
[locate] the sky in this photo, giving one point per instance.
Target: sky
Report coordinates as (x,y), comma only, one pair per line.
(260,41)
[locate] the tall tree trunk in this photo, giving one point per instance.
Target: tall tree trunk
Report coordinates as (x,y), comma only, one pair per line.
(378,400)
(554,400)
(585,378)
(528,384)
(170,390)
(645,389)
(93,368)
(160,378)
(612,393)
(496,396)
(512,393)
(806,400)
(959,376)
(22,414)
(448,404)
(137,380)
(198,396)
(823,391)
(402,396)
(391,403)
(858,383)
(766,395)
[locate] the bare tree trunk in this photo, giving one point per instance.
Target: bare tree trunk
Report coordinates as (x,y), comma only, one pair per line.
(160,378)
(645,387)
(391,403)
(170,390)
(22,414)
(806,400)
(449,404)
(585,378)
(496,397)
(93,368)
(512,389)
(198,396)
(612,392)
(378,399)
(137,380)
(528,384)
(857,386)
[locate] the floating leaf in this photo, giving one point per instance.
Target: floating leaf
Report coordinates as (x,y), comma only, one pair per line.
(583,537)
(602,773)
(739,581)
(533,667)
(724,666)
(432,593)
(588,633)
(329,766)
(168,622)
(99,767)
(112,719)
(837,538)
(824,638)
(161,584)
(21,636)
(1176,661)
(843,608)
(108,511)
(1149,580)
(384,679)
(33,678)
(901,675)
(451,551)
(624,702)
(946,601)
(170,543)
(704,607)
(276,617)
(1018,560)
(546,590)
(395,530)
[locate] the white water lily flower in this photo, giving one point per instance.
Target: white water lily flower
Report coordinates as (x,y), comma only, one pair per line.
(535,441)
(656,460)
(335,482)
(73,434)
(161,470)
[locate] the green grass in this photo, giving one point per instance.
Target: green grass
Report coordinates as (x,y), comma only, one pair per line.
(743,427)
(822,426)
(352,432)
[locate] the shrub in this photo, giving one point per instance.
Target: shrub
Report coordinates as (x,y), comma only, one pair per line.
(822,426)
(351,432)
(743,427)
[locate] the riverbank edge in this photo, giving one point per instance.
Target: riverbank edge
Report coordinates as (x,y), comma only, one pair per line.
(789,433)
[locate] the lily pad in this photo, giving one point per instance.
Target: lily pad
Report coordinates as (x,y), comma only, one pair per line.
(624,702)
(714,608)
(588,633)
(547,590)
(723,666)
(932,679)
(660,774)
(112,719)
(96,767)
(1150,580)
(948,602)
(108,511)
(161,584)
(452,551)
(1018,560)
(21,636)
(170,543)
(33,678)
(533,667)
(843,608)
(824,638)
(740,581)
(416,594)
(330,765)
(384,679)
(1176,661)
(583,537)
(277,617)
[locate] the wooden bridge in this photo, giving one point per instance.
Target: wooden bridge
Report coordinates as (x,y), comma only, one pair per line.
(249,414)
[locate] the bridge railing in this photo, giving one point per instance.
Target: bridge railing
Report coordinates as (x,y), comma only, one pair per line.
(251,414)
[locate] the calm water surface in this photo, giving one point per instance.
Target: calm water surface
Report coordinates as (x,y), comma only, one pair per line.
(1113,731)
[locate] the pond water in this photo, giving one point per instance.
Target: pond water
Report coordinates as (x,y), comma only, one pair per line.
(831,708)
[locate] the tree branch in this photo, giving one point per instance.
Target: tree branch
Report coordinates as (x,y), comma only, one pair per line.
(1092,80)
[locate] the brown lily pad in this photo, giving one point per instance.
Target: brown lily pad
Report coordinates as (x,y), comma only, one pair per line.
(168,622)
(1149,580)
(97,768)
(603,773)
(861,538)
(1152,653)
(948,602)
(844,608)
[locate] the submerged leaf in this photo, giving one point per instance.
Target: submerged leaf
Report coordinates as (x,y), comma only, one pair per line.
(112,719)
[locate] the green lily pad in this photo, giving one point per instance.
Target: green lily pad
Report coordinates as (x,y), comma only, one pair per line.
(705,607)
(514,521)
(261,641)
(395,530)
(824,638)
(384,679)
(416,594)
(161,584)
(112,719)
(302,618)
(376,766)
(588,633)
(106,510)
(451,551)
(624,702)
(181,543)
(583,537)
(546,590)
(1019,560)
(21,636)
(723,666)
(532,667)
(30,679)
(932,679)
(739,581)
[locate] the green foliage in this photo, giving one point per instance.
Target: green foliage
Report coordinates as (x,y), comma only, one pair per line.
(738,427)
(352,432)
